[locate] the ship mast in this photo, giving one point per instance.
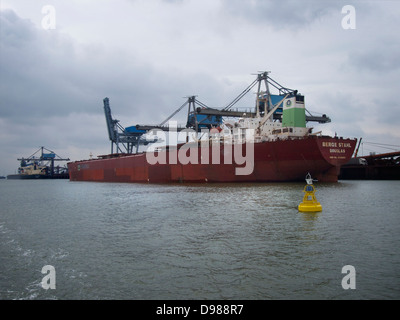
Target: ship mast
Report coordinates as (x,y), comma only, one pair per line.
(261,100)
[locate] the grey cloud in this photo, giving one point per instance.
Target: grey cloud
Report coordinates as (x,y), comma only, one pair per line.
(14,30)
(33,65)
(290,15)
(381,58)
(280,14)
(46,73)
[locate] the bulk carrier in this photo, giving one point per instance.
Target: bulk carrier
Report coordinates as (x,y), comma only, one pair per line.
(270,142)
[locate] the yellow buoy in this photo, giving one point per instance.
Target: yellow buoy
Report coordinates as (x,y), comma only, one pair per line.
(310,203)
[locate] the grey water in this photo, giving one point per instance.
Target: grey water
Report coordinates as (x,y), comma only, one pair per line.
(206,241)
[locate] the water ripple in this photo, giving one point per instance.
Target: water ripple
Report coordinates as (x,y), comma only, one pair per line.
(212,241)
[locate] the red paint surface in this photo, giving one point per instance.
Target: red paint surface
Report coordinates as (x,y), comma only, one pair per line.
(283,160)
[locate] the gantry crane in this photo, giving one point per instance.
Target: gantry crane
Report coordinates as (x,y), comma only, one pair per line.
(49,157)
(201,116)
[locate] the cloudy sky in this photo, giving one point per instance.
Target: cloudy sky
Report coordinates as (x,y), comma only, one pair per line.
(58,64)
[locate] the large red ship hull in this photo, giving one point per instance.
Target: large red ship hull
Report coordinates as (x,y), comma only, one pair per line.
(281,160)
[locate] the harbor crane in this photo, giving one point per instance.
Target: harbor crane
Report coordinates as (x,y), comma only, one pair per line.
(201,116)
(49,156)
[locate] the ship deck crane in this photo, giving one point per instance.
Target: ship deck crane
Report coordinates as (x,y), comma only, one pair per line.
(264,98)
(201,116)
(124,139)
